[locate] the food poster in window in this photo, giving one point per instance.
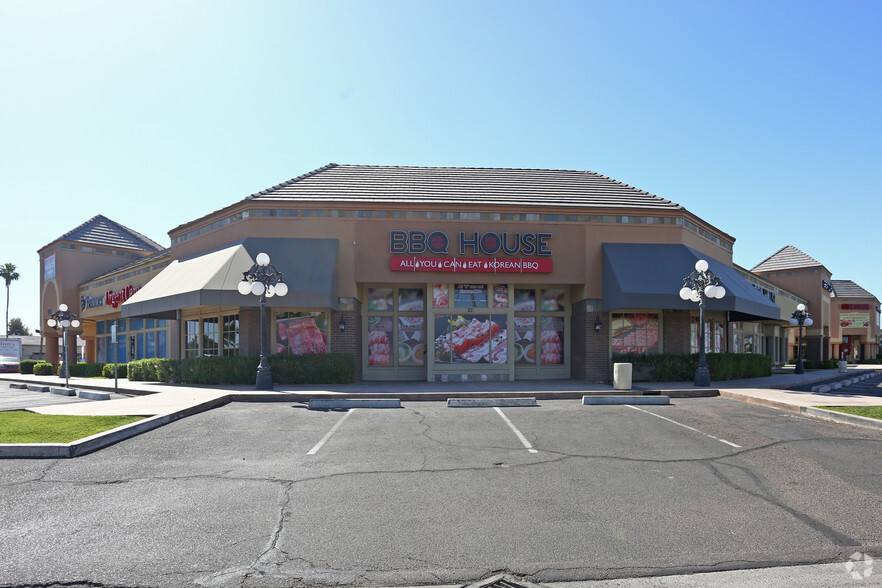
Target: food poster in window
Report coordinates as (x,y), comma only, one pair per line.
(635,333)
(411,341)
(525,340)
(380,299)
(552,300)
(500,296)
(525,300)
(470,295)
(301,335)
(477,339)
(551,340)
(410,299)
(380,340)
(439,296)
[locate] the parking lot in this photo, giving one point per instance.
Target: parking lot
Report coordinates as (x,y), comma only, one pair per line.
(274,494)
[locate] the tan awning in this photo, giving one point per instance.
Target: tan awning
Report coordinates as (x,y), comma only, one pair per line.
(309,267)
(207,280)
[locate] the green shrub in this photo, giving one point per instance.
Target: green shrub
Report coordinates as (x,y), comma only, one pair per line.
(26,366)
(676,367)
(829,364)
(86,370)
(331,368)
(869,361)
(44,368)
(121,370)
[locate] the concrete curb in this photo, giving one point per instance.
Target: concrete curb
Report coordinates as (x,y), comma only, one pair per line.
(64,391)
(841,417)
(759,401)
(490,402)
(103,439)
(347,403)
(619,400)
(88,394)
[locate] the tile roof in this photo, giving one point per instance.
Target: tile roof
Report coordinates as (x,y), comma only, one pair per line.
(848,289)
(141,261)
(100,230)
(786,258)
(462,185)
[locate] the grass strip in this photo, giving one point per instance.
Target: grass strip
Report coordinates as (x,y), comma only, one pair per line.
(27,427)
(873,412)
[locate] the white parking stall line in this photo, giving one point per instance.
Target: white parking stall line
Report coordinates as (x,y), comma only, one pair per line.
(686,427)
(333,430)
(515,429)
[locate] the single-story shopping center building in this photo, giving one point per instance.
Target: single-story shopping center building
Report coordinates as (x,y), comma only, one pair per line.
(421,273)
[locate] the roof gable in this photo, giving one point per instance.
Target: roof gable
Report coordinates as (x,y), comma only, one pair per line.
(786,258)
(462,185)
(848,289)
(102,231)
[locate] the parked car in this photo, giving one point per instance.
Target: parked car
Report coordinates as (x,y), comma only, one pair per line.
(8,365)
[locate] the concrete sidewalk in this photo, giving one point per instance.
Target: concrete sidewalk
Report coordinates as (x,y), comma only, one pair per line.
(163,403)
(152,398)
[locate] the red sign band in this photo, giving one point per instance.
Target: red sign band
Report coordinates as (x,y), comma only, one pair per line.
(492,265)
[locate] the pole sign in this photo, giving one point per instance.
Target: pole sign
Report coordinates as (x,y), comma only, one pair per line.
(523,252)
(10,348)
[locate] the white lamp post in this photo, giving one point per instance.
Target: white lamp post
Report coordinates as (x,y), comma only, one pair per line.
(799,318)
(265,281)
(63,318)
(700,286)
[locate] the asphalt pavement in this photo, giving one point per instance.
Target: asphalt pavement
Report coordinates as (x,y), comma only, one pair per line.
(260,494)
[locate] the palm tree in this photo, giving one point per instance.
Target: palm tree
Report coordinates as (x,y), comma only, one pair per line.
(8,273)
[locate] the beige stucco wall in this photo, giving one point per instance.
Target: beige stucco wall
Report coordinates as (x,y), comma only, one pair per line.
(364,256)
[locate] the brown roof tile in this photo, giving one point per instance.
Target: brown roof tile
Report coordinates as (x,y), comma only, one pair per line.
(462,185)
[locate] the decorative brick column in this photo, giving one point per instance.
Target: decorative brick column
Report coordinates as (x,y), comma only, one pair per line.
(53,344)
(677,331)
(249,331)
(590,348)
(348,341)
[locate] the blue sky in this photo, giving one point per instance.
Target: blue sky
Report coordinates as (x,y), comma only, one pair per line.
(763,118)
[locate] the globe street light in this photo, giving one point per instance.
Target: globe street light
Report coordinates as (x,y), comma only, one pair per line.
(265,281)
(63,318)
(699,286)
(800,317)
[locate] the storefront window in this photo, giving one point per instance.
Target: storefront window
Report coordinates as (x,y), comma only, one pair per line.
(551,341)
(380,299)
(191,334)
(552,300)
(477,339)
(714,336)
(635,333)
(380,340)
(300,333)
(525,300)
(211,336)
(439,296)
(231,334)
(411,341)
(161,344)
(500,296)
(470,295)
(410,299)
(525,338)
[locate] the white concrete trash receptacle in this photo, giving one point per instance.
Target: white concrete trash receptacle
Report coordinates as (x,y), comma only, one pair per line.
(843,366)
(622,376)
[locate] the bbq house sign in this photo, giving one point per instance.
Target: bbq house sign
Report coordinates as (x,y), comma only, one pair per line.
(523,252)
